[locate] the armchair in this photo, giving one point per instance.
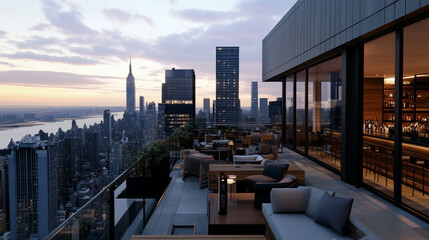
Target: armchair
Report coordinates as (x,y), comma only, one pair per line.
(268,151)
(273,176)
(263,189)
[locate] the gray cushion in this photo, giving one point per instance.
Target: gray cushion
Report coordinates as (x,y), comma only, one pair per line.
(313,201)
(290,200)
(334,212)
(275,170)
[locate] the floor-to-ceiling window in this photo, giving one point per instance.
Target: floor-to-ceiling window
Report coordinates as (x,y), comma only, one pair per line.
(324,112)
(289,110)
(415,117)
(379,116)
(378,113)
(300,110)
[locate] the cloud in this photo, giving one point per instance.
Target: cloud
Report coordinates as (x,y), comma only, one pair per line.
(203,15)
(41,27)
(121,16)
(38,42)
(7,64)
(118,15)
(2,33)
(148,20)
(74,60)
(68,22)
(53,79)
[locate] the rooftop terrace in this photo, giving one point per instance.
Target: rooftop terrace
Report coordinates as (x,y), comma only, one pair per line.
(183,210)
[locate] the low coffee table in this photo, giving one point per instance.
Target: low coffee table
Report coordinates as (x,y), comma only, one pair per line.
(241,218)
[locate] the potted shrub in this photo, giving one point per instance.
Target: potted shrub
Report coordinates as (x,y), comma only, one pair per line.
(152,172)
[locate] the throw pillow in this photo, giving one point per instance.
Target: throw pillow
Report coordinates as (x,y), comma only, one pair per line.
(313,202)
(275,170)
(264,148)
(334,212)
(289,200)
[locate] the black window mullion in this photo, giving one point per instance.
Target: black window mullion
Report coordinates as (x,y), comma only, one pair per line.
(399,57)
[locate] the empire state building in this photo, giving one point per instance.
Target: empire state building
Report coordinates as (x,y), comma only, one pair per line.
(131,92)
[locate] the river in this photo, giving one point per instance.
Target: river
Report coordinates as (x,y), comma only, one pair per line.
(50,127)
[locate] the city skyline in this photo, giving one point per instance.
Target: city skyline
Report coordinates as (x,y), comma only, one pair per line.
(74,54)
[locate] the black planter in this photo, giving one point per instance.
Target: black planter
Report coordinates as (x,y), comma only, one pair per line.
(149,187)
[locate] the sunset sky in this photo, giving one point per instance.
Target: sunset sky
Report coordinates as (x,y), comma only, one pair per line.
(75,53)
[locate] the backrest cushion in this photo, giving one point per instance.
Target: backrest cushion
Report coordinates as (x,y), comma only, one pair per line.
(334,212)
(264,148)
(275,170)
(313,202)
(289,200)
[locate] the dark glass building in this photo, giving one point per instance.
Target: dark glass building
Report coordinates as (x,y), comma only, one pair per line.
(355,77)
(227,79)
(254,102)
(275,111)
(178,98)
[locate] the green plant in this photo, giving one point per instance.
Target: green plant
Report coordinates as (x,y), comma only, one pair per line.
(152,158)
(184,136)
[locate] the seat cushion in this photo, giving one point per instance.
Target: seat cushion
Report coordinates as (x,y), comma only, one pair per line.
(334,212)
(250,181)
(297,226)
(275,170)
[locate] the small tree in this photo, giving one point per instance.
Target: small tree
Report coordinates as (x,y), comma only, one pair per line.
(153,158)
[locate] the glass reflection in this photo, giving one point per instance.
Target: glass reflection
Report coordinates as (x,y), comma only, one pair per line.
(289,110)
(324,112)
(300,111)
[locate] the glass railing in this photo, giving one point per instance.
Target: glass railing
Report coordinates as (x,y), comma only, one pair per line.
(107,215)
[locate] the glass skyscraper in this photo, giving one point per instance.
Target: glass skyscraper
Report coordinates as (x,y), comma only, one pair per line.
(254,104)
(227,79)
(178,95)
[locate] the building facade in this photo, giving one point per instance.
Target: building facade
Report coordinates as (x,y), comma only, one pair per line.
(227,86)
(33,188)
(131,92)
(178,98)
(263,110)
(355,92)
(206,109)
(275,111)
(254,110)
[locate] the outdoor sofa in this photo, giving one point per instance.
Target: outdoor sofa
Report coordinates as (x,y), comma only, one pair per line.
(310,213)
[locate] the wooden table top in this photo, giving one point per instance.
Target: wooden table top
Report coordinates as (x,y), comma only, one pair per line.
(242,213)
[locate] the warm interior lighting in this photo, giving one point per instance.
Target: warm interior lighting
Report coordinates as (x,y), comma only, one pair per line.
(391,81)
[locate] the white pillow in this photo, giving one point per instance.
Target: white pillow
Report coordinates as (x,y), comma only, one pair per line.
(289,200)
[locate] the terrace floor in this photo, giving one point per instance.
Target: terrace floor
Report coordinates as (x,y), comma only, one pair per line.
(185,206)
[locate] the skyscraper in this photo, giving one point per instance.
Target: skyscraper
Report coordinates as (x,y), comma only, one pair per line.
(206,109)
(263,110)
(141,105)
(227,85)
(275,111)
(91,150)
(178,98)
(254,104)
(131,92)
(33,188)
(150,127)
(141,112)
(107,127)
